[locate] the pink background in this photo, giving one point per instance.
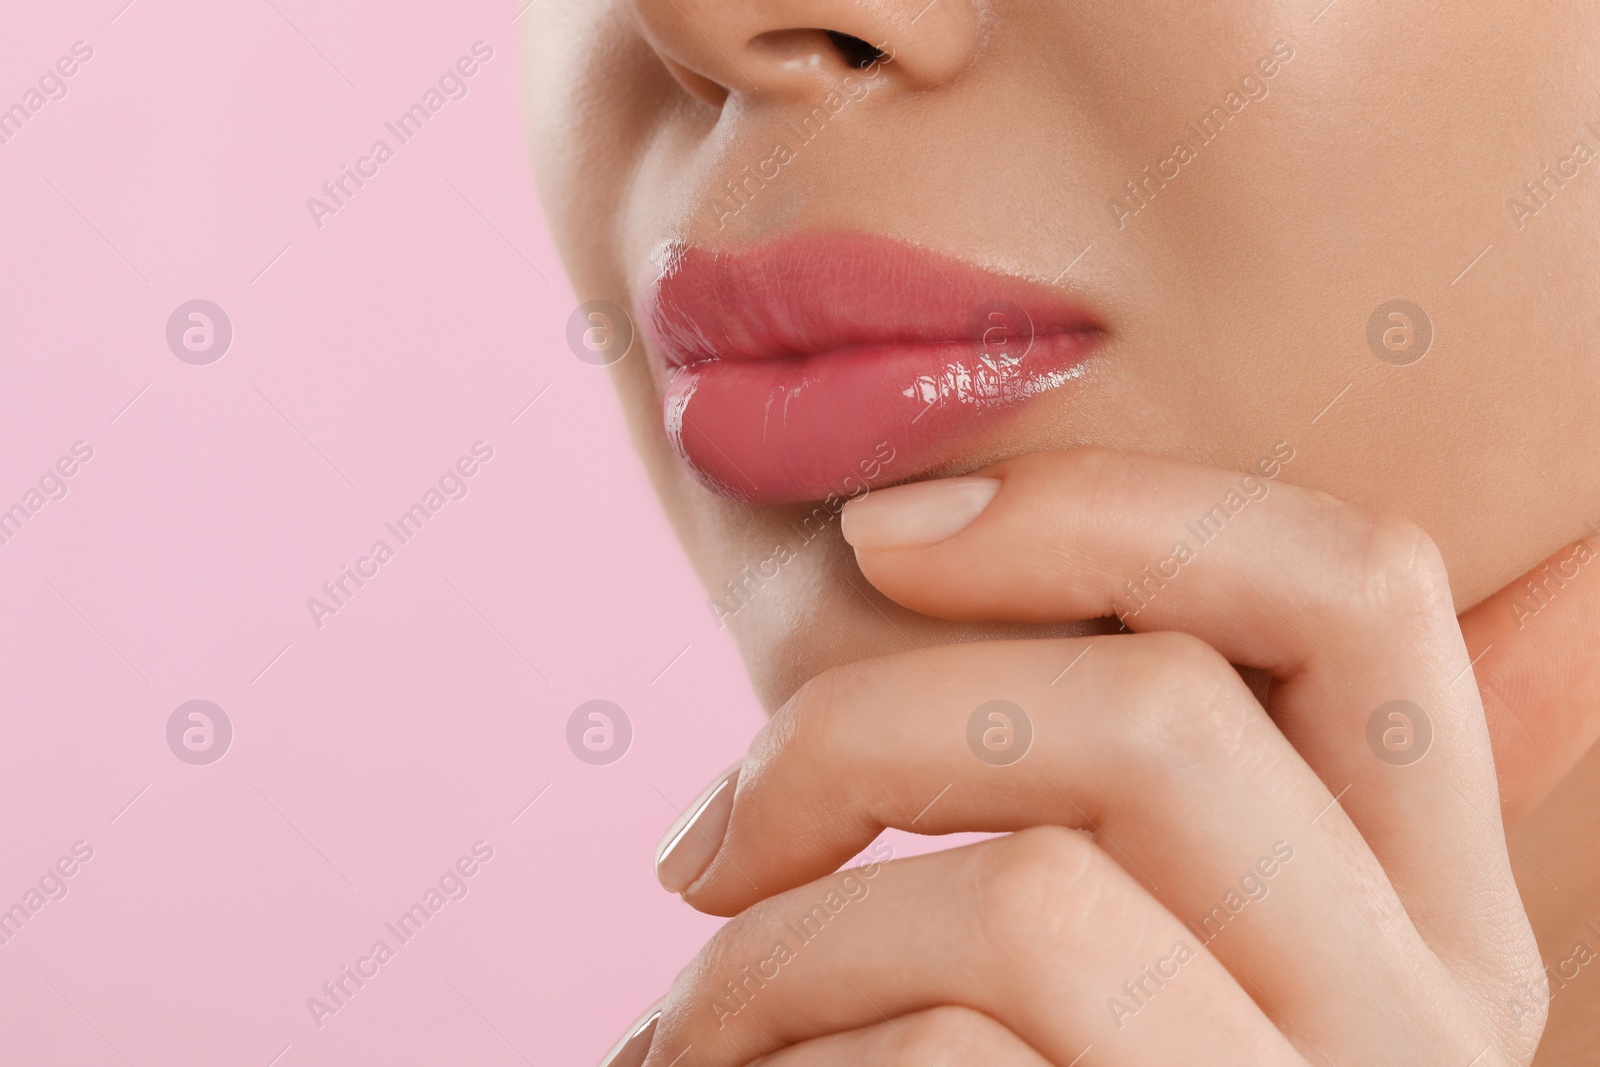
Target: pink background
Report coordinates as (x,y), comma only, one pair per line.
(369,754)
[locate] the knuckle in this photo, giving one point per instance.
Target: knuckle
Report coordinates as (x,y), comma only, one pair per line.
(817,716)
(739,952)
(1399,568)
(810,731)
(803,717)
(806,767)
(954,1035)
(1189,704)
(1041,888)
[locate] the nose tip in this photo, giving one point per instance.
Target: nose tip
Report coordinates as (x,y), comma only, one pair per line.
(791,48)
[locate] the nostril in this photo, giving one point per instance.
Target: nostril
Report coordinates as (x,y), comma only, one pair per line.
(856,52)
(809,46)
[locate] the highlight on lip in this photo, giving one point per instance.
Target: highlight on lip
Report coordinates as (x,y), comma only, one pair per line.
(823,364)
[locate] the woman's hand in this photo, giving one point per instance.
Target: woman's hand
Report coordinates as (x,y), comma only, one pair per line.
(1316,875)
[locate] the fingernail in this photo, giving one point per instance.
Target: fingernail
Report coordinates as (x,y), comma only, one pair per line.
(922,513)
(635,1044)
(688,848)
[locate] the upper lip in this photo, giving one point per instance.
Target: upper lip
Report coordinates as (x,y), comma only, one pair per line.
(819,294)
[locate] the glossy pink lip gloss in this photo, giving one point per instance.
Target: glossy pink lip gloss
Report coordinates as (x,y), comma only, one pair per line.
(823,364)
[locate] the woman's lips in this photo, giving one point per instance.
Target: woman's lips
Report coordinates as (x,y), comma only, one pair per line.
(825,364)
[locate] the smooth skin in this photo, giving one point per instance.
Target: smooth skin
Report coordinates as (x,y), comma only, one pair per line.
(1386,563)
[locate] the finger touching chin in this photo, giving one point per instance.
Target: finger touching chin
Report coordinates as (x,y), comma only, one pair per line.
(1089,533)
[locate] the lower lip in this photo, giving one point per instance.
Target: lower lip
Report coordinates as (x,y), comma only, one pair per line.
(787,430)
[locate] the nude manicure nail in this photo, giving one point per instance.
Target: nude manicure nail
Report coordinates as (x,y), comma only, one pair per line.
(635,1044)
(922,513)
(689,847)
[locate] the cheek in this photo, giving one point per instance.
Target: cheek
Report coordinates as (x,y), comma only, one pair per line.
(592,93)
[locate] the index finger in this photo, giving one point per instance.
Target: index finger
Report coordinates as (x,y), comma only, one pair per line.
(1349,611)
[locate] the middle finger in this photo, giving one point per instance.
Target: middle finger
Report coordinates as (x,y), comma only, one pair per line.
(1151,740)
